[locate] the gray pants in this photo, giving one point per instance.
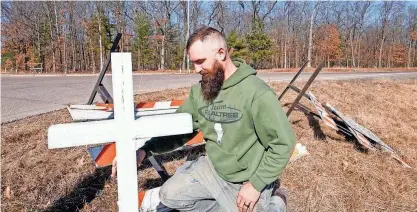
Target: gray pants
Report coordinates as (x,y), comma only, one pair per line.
(196,186)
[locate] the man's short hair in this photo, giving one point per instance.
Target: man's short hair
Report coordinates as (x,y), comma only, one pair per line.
(205,33)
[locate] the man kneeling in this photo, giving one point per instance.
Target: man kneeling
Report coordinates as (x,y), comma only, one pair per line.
(249,138)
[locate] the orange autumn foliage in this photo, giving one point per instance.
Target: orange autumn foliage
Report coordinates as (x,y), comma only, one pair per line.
(327,39)
(399,55)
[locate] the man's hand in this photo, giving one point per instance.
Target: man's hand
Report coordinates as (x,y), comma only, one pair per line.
(247,198)
(140,155)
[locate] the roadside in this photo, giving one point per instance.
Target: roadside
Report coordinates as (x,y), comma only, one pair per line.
(177,72)
(25,96)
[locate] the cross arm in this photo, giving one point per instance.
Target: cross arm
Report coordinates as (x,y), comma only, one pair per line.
(85,133)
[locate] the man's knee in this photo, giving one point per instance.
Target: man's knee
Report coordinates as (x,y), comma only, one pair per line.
(279,200)
(277,204)
(169,196)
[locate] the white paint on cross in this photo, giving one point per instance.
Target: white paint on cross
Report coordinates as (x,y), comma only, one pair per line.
(124,129)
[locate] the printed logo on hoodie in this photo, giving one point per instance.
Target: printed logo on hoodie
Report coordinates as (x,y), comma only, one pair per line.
(219,131)
(220,112)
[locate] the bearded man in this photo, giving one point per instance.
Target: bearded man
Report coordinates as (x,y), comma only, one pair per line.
(249,139)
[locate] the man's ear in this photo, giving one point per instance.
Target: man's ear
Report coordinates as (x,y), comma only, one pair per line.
(221,54)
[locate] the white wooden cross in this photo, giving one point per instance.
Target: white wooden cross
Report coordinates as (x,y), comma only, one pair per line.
(123,129)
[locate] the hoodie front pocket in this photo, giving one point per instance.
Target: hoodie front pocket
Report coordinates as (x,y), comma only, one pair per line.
(224,162)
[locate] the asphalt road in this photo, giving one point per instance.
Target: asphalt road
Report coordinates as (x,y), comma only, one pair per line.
(23,96)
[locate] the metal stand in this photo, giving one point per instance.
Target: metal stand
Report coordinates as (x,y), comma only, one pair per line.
(99,87)
(301,92)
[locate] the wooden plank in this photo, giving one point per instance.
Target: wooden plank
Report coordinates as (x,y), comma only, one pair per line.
(97,132)
(127,178)
(77,134)
(87,107)
(321,111)
(358,129)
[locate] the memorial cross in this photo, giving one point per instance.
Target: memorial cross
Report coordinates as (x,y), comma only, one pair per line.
(124,129)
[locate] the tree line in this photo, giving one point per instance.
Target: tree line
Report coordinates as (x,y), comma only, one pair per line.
(76,36)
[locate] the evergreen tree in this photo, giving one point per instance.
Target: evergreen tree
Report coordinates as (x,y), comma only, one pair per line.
(237,45)
(141,43)
(259,43)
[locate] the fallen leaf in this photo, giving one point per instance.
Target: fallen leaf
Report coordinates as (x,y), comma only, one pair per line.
(8,193)
(81,162)
(345,165)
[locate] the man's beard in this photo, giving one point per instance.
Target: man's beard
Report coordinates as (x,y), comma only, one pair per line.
(212,81)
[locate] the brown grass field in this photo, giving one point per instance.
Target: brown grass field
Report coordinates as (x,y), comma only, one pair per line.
(336,176)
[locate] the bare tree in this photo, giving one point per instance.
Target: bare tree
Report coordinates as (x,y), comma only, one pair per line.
(74,36)
(412,32)
(310,37)
(99,14)
(386,12)
(48,13)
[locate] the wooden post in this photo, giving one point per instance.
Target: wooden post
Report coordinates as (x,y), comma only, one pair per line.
(127,183)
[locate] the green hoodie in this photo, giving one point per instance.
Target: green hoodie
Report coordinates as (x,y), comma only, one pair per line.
(247,132)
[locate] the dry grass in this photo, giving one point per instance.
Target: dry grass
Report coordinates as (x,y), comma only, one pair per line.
(336,176)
